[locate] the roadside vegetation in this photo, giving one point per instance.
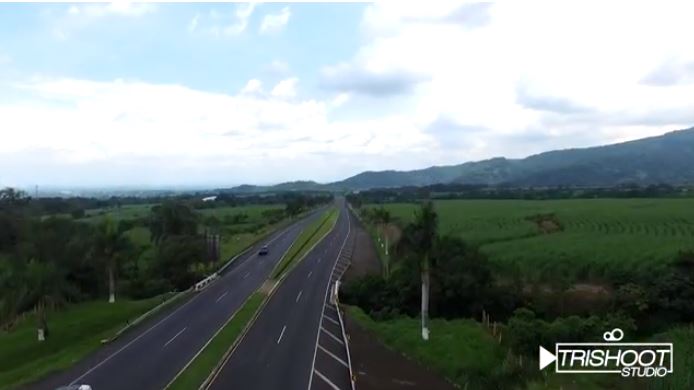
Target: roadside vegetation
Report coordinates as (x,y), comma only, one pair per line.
(306,240)
(56,256)
(532,273)
(80,329)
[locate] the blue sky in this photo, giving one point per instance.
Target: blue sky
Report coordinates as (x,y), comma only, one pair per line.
(221,94)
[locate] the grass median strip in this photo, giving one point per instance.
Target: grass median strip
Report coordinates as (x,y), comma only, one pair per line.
(194,375)
(309,236)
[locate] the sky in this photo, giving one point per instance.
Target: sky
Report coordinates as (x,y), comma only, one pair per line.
(152,94)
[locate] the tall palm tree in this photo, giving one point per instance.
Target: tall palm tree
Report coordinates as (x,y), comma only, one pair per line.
(426,226)
(109,243)
(49,288)
(383,220)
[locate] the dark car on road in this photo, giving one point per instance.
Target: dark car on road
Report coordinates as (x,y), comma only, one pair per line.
(263,251)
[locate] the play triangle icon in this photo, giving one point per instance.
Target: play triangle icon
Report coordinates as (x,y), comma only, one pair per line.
(546,358)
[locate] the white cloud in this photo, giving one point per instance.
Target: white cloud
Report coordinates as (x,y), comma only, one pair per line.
(77,17)
(285,88)
(193,23)
(222,24)
(436,83)
(121,8)
(275,22)
(253,86)
(559,69)
(147,132)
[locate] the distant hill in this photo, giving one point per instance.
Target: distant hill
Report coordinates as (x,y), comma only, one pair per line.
(667,159)
(288,186)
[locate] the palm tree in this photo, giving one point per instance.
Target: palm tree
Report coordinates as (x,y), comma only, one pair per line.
(426,225)
(382,218)
(49,289)
(109,243)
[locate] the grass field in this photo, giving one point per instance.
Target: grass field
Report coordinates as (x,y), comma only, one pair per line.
(600,237)
(461,350)
(130,211)
(200,368)
(74,333)
(308,237)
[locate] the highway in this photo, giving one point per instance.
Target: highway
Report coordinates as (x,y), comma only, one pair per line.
(151,355)
(296,341)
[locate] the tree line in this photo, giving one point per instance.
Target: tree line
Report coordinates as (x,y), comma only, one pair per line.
(48,261)
(477,191)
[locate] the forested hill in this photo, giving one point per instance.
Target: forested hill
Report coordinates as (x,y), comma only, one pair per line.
(666,159)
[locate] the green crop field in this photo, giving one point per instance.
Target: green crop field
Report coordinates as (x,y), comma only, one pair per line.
(254,212)
(598,237)
(131,211)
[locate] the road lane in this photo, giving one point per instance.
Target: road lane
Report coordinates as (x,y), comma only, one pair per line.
(138,361)
(262,361)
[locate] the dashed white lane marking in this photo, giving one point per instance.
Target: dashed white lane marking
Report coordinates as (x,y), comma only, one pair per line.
(221,296)
(326,379)
(332,355)
(319,259)
(331,320)
(309,274)
(246,275)
(281,334)
(298,296)
(332,335)
(173,338)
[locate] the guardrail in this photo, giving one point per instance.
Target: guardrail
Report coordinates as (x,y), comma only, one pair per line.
(199,286)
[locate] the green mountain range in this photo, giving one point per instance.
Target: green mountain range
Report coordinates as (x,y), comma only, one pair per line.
(666,159)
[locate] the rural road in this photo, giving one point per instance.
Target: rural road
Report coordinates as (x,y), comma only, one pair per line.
(150,356)
(296,342)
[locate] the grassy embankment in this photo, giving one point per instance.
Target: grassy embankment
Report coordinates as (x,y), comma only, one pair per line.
(461,350)
(74,333)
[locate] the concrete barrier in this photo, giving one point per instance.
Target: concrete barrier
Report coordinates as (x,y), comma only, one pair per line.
(199,286)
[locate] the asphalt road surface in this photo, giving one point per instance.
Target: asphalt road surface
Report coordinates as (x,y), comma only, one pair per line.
(151,355)
(296,327)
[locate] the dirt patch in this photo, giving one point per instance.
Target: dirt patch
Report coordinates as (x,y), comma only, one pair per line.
(365,259)
(546,223)
(378,367)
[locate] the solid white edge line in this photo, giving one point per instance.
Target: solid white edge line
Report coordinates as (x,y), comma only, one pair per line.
(281,334)
(174,338)
(327,290)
